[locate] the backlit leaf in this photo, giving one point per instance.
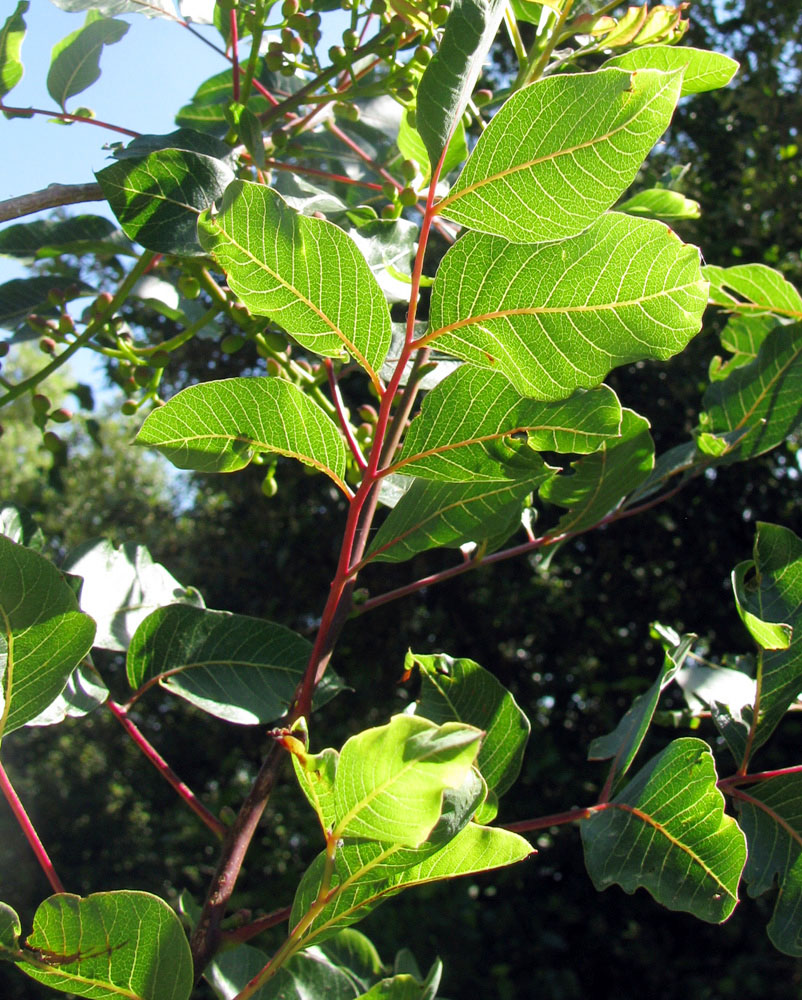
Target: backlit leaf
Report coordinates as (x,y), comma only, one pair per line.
(367,872)
(111,8)
(666,831)
(390,780)
(753,288)
(460,690)
(760,403)
(111,944)
(599,482)
(770,812)
(475,426)
(43,635)
(158,199)
(12,35)
(219,426)
(742,337)
(240,669)
(75,63)
(704,70)
(558,317)
(82,694)
(660,203)
(447,515)
(449,79)
(294,270)
(560,152)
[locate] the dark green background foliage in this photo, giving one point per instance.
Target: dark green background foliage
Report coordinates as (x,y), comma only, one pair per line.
(569,636)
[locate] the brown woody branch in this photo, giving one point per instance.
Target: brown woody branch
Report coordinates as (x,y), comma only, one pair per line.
(50,197)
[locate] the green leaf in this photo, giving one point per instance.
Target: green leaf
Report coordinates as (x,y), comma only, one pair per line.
(560,152)
(449,79)
(219,426)
(390,780)
(703,70)
(775,596)
(742,337)
(666,832)
(10,928)
(180,138)
(460,690)
(367,872)
(770,812)
(557,317)
(407,985)
(82,694)
(474,426)
(110,944)
(75,62)
(412,147)
(753,288)
(21,296)
(206,112)
(660,203)
(121,586)
(294,270)
(624,741)
(759,403)
(12,35)
(17,524)
(239,669)
(599,482)
(158,199)
(449,515)
(43,636)
(52,237)
(746,586)
(388,245)
(111,8)
(316,774)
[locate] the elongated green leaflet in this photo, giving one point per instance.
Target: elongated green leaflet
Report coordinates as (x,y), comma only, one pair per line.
(450,77)
(557,317)
(660,203)
(220,426)
(43,635)
(667,832)
(12,35)
(475,426)
(560,152)
(703,70)
(111,944)
(76,59)
(296,270)
(753,289)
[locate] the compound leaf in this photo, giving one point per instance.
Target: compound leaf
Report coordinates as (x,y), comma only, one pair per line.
(666,831)
(560,152)
(557,317)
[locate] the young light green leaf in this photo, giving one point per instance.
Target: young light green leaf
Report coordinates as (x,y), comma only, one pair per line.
(474,426)
(219,427)
(704,70)
(460,690)
(294,269)
(756,407)
(447,515)
(158,199)
(753,288)
(43,636)
(367,872)
(557,317)
(624,741)
(771,817)
(121,587)
(775,596)
(12,35)
(75,62)
(407,985)
(660,203)
(239,669)
(390,780)
(450,77)
(560,152)
(110,944)
(599,482)
(315,774)
(666,831)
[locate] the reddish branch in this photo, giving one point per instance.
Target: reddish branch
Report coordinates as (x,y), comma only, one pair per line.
(30,833)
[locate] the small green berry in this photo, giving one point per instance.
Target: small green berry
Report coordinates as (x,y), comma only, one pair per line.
(40,403)
(142,375)
(47,345)
(61,416)
(52,442)
(439,15)
(290,8)
(232,343)
(350,39)
(408,197)
(129,407)
(338,55)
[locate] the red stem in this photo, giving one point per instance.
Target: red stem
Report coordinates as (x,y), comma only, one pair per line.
(248,931)
(556,819)
(725,784)
(164,769)
(339,406)
(66,117)
(295,168)
(234,53)
(30,833)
